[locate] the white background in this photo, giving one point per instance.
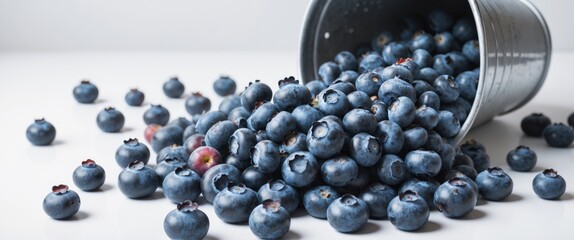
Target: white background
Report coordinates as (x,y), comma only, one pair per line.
(179,25)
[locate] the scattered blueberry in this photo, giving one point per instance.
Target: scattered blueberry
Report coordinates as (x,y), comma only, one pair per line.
(182,184)
(521,159)
(86,92)
(408,211)
(197,104)
(558,135)
(138,180)
(549,185)
(134,97)
(494,184)
(269,220)
(41,132)
(173,88)
(186,222)
(156,114)
(533,125)
(110,120)
(224,86)
(89,176)
(61,203)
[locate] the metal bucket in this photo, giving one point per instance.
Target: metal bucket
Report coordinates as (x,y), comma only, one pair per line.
(515,44)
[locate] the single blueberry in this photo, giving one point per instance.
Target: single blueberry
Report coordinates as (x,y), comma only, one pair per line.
(186,222)
(549,185)
(85,92)
(156,114)
(391,169)
(558,135)
(134,97)
(197,104)
(235,203)
(61,203)
(41,132)
(224,86)
(181,184)
(138,180)
(255,94)
(110,120)
(279,190)
(269,220)
(521,159)
(348,214)
(328,72)
(533,125)
(173,88)
(89,176)
(408,211)
(455,198)
(377,197)
(494,184)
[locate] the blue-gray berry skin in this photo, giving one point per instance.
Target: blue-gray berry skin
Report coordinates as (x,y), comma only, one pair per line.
(443,64)
(85,92)
(235,203)
(280,126)
(89,176)
(255,94)
(446,88)
(61,203)
(229,103)
(369,83)
(439,20)
(381,40)
(253,178)
(295,142)
(494,184)
(371,61)
(41,132)
(348,214)
(333,102)
(110,120)
(186,222)
(391,169)
(421,86)
(138,180)
(207,120)
(239,116)
(359,120)
(224,86)
(181,122)
(380,110)
(549,185)
(261,116)
(423,163)
(240,142)
(430,99)
(424,188)
(165,167)
(339,171)
(134,97)
(415,138)
(156,114)
(422,40)
(300,169)
(448,124)
(394,51)
(478,154)
(173,88)
(197,104)
(558,135)
(377,196)
(166,136)
(175,152)
(218,135)
(445,42)
(426,117)
(395,70)
(365,149)
(468,83)
(394,88)
(534,124)
(265,156)
(216,179)
(427,74)
(521,159)
(279,190)
(317,199)
(315,87)
(182,184)
(471,51)
(269,220)
(328,72)
(325,138)
(346,61)
(455,198)
(408,211)
(391,136)
(402,111)
(464,29)
(359,99)
(291,94)
(130,151)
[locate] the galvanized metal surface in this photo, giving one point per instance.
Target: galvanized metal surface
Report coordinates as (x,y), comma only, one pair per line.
(514,38)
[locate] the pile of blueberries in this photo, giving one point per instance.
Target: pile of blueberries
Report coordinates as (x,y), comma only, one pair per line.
(371,139)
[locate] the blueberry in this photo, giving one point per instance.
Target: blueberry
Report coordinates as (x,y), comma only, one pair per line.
(278,190)
(265,156)
(381,40)
(410,64)
(371,61)
(86,92)
(408,211)
(130,151)
(391,136)
(434,142)
(235,203)
(394,51)
(173,88)
(478,154)
(460,62)
(365,149)
(138,180)
(134,97)
(558,135)
(328,72)
(216,179)
(464,29)
(448,125)
(300,169)
(533,125)
(239,116)
(380,110)
(377,197)
(344,87)
(61,203)
(346,61)
(193,142)
(471,51)
(468,83)
(447,153)
(269,220)
(427,74)
(166,136)
(182,184)
(89,176)
(110,120)
(253,178)
(261,135)
(444,42)
(280,126)
(439,20)
(349,76)
(424,189)
(549,185)
(394,88)
(421,87)
(494,184)
(426,117)
(41,132)
(315,87)
(443,64)
(186,222)
(369,83)
(570,120)
(423,59)
(395,71)
(175,152)
(317,199)
(197,104)
(224,86)
(348,214)
(261,116)
(446,88)
(415,138)
(423,163)
(521,159)
(402,111)
(240,142)
(295,142)
(218,135)
(422,40)
(207,120)
(305,115)
(165,167)
(156,114)
(229,103)
(359,120)
(339,171)
(325,138)
(430,99)
(391,169)
(181,122)
(450,174)
(291,94)
(455,198)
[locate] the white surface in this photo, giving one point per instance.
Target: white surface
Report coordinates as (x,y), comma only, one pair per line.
(183,25)
(40,85)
